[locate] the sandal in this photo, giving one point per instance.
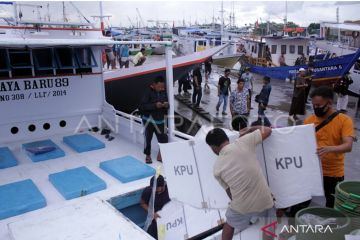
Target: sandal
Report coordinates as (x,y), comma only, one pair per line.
(148,160)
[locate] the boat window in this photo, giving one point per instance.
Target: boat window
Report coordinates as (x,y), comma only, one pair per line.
(20,62)
(273,49)
(65,59)
(25,62)
(300,50)
(292,49)
(307,50)
(252,48)
(4,63)
(283,49)
(85,59)
(44,61)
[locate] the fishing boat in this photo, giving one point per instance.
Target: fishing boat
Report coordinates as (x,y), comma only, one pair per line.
(325,71)
(118,83)
(341,39)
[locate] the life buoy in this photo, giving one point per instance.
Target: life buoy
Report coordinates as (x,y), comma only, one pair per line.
(355,34)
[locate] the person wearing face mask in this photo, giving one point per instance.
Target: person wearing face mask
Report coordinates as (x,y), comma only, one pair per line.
(161,198)
(334,136)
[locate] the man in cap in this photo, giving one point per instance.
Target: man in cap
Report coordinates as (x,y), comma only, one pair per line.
(298,100)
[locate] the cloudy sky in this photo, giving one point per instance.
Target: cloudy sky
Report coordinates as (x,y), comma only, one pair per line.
(301,12)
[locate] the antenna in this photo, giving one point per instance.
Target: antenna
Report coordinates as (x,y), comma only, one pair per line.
(285,20)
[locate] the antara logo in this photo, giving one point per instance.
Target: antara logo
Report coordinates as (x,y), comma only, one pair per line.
(270,229)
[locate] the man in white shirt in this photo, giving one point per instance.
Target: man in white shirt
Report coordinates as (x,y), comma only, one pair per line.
(239,173)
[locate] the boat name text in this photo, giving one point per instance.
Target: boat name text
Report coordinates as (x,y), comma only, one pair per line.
(33,84)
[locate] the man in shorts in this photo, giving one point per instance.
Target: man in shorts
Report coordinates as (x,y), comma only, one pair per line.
(239,173)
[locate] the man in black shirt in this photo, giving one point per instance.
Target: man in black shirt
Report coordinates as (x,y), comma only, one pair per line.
(224,87)
(161,198)
(153,108)
(197,79)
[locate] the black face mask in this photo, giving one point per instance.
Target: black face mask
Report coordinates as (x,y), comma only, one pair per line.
(320,111)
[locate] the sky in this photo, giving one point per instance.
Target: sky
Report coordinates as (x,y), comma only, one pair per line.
(172,11)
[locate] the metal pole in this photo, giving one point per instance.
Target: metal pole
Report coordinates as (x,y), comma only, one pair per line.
(338,23)
(170,91)
(15,13)
(102,27)
(222,22)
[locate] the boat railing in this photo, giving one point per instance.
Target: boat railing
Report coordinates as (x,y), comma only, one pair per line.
(136,119)
(256,61)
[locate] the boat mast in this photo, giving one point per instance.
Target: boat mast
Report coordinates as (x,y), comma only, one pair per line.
(64,12)
(102,27)
(101,17)
(285,20)
(48,12)
(222,20)
(338,22)
(15,13)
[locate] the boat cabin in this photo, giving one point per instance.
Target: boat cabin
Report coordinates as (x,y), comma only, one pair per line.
(291,47)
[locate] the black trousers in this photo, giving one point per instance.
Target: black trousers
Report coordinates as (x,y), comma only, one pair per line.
(152,230)
(329,189)
(239,121)
(183,85)
(196,97)
(250,95)
(150,129)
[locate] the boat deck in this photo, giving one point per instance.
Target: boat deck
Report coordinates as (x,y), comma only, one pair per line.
(39,173)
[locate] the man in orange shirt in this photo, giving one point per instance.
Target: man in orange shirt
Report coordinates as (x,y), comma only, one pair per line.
(334,139)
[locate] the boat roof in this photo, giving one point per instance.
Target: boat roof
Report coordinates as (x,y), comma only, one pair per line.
(195,58)
(32,42)
(287,38)
(343,26)
(44,23)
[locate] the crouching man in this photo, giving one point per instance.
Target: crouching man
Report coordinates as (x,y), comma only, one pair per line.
(239,173)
